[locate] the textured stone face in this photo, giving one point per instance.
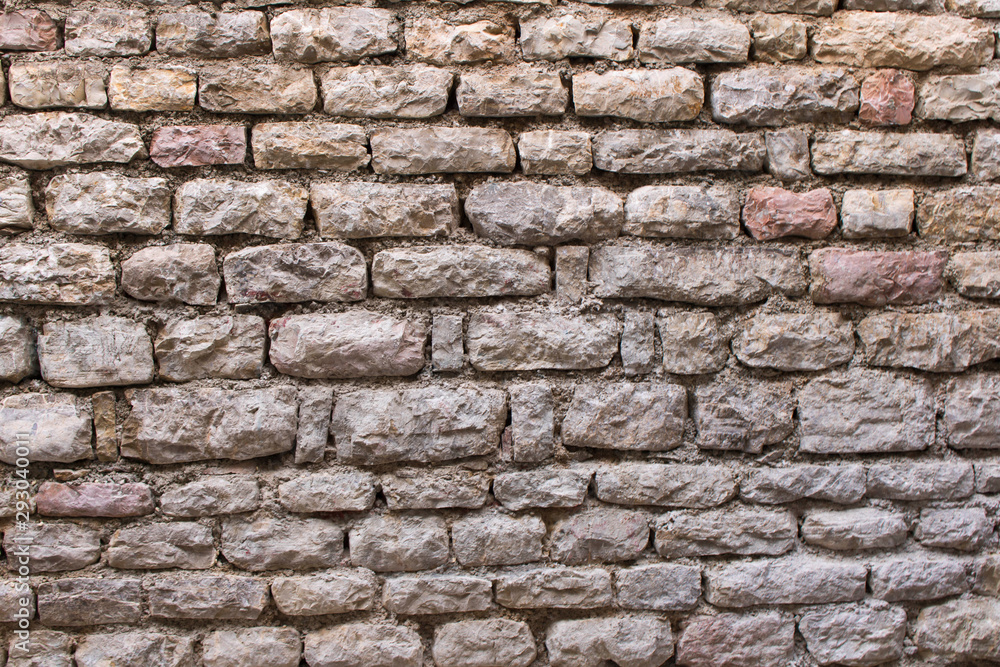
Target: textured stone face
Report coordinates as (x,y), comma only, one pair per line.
(532,408)
(796,342)
(887,98)
(658,96)
(873,278)
(91,353)
(771,213)
(222,35)
(733,418)
(361,210)
(866,634)
(557,587)
(320,492)
(107,203)
(229,347)
(972,413)
(888,154)
(604,534)
(18,358)
(640,641)
(511,92)
(252,647)
(157,546)
(276,273)
(962,214)
(28,30)
(197,146)
(576,35)
(399,544)
(440,149)
(709,38)
(920,481)
(152,88)
(788,154)
(147,648)
(279,544)
(386,92)
(529,341)
(844,484)
(333,34)
(184,272)
(670,151)
(16,207)
(74,602)
(555,152)
(964,529)
(660,587)
(965,628)
(912,579)
(212,207)
(336,592)
(207,597)
(59,274)
(691,343)
(108,32)
(959,97)
(629,417)
(58,139)
(256,89)
(741,532)
(876,213)
(738,640)
(54,547)
(864,528)
(411,489)
(210,496)
(58,424)
(309,146)
(440,43)
(458,271)
(789,580)
(986,155)
(360,645)
(541,488)
(664,485)
(437,594)
(46,85)
(939,342)
(778,38)
(781,95)
(682,211)
(497,539)
(94,499)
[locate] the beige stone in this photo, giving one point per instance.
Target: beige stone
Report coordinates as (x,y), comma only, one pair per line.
(46,85)
(152,88)
(309,146)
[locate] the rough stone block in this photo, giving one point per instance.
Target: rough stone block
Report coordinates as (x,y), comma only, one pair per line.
(677,151)
(76,602)
(499,340)
(511,92)
(871,214)
(965,629)
(212,35)
(17,211)
(532,408)
(281,543)
(28,30)
(108,32)
(231,347)
(309,146)
(771,213)
(692,343)
(436,594)
(207,597)
(888,154)
(438,42)
(794,342)
(554,587)
(431,150)
(658,586)
(709,37)
(107,203)
(52,547)
(399,543)
(59,139)
(95,352)
(843,484)
(576,35)
(875,278)
(637,345)
(781,95)
(683,211)
(494,538)
(315,408)
(152,649)
(861,634)
(743,418)
(938,342)
(333,34)
(47,85)
(447,352)
(788,154)
(94,499)
(326,492)
(252,647)
(18,358)
(542,487)
(626,640)
(257,89)
(730,531)
(887,98)
(778,39)
(211,207)
(599,535)
(904,579)
(972,413)
(651,96)
(386,92)
(152,88)
(157,546)
(864,528)
(555,152)
(415,489)
(210,496)
(295,272)
(964,529)
(362,210)
(626,416)
(184,272)
(363,645)
(460,271)
(788,580)
(766,639)
(198,145)
(332,592)
(961,214)
(664,485)
(54,428)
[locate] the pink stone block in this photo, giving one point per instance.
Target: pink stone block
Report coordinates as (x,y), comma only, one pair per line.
(94,499)
(197,146)
(887,98)
(772,213)
(28,30)
(874,278)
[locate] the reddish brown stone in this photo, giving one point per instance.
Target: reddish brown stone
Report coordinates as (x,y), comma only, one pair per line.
(94,499)
(196,146)
(874,278)
(887,98)
(771,213)
(28,30)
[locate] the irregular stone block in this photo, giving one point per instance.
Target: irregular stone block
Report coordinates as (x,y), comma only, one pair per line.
(309,146)
(363,645)
(888,154)
(497,539)
(964,529)
(629,640)
(184,272)
(659,586)
(315,407)
(887,98)
(230,347)
(972,413)
(677,151)
(17,211)
(413,489)
(961,214)
(794,342)
(47,85)
(95,352)
(959,97)
(94,499)
(197,146)
(152,649)
(363,210)
(336,592)
(447,350)
(386,92)
(965,628)
(705,38)
(637,345)
(333,34)
(904,579)
(868,214)
(766,639)
(256,89)
(691,343)
(252,647)
(843,484)
(771,213)
(664,485)
(576,35)
(864,528)
(511,92)
(441,43)
(436,594)
(28,30)
(158,546)
(422,424)
(211,207)
(986,155)
(207,597)
(105,436)
(874,278)
(52,547)
(296,272)
(76,602)
(431,150)
(788,580)
(16,596)
(18,358)
(554,587)
(865,634)
(988,577)
(108,32)
(743,418)
(571,273)
(168,425)
(528,341)
(938,342)
(210,496)
(152,88)
(987,478)
(324,492)
(53,427)
(59,139)
(781,95)
(603,534)
(215,35)
(731,531)
(466,271)
(399,543)
(778,39)
(543,487)
(281,543)
(650,96)
(555,152)
(683,211)
(788,154)
(812,7)
(532,418)
(626,416)
(107,203)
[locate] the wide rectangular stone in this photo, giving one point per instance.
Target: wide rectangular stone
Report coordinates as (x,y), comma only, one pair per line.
(783,95)
(937,342)
(77,602)
(743,417)
(168,425)
(901,579)
(864,411)
(28,30)
(739,640)
(309,146)
(554,588)
(702,276)
(542,487)
(626,416)
(708,37)
(58,139)
(508,341)
(658,586)
(213,35)
(18,358)
(599,535)
(875,278)
(281,543)
(296,272)
(52,547)
(363,209)
(664,485)
(921,481)
(417,489)
(184,272)
(961,214)
(198,145)
(907,41)
(963,528)
(575,35)
(17,211)
(494,538)
(53,427)
(436,594)
(152,88)
(867,214)
(511,92)
(440,42)
(210,207)
(459,271)
(555,152)
(683,211)
(357,644)
(95,352)
(844,484)
(256,89)
(252,647)
(423,424)
(868,633)
(739,531)
(677,151)
(157,546)
(789,580)
(432,150)
(54,84)
(795,342)
(94,499)
(349,344)
(107,203)
(334,592)
(333,34)
(399,543)
(850,530)
(229,346)
(108,32)
(888,154)
(386,92)
(651,96)
(972,412)
(325,492)
(68,274)
(959,97)
(209,496)
(207,597)
(811,7)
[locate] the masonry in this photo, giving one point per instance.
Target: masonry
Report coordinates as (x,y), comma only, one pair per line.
(391,334)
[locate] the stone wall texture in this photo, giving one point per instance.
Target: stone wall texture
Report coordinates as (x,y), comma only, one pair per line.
(495,334)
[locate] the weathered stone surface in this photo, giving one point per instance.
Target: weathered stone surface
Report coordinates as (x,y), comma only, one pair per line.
(576,35)
(788,154)
(348,344)
(626,416)
(152,649)
(705,38)
(543,487)
(743,417)
(184,272)
(986,155)
(296,272)
(16,208)
(665,485)
(207,597)
(108,32)
(788,580)
(658,586)
(888,154)
(94,499)
(334,592)
(433,150)
(104,406)
(47,85)
(198,145)
(638,347)
(95,352)
(966,628)
(16,596)
(447,338)
(219,35)
(868,214)
(333,34)
(57,425)
(702,276)
(399,543)
(152,88)
(386,92)
(436,594)
(738,640)
(865,411)
(683,211)
(874,278)
(309,146)
(170,425)
(554,587)
(691,343)
(771,213)
(458,271)
(812,7)
(571,273)
(58,139)
(211,207)
(603,534)
(315,407)
(887,98)
(107,203)
(555,152)
(18,359)
(985,8)
(781,95)
(670,151)
(860,634)
(363,645)
(494,538)
(423,424)
(864,528)
(961,214)
(778,38)
(256,89)
(972,413)
(325,492)
(912,579)
(43,647)
(501,340)
(634,640)
(844,484)
(75,602)
(796,342)
(964,529)
(440,43)
(651,96)
(938,342)
(987,478)
(959,97)
(511,92)
(729,531)
(231,347)
(157,546)
(532,408)
(28,30)
(988,576)
(866,39)
(53,547)
(361,210)
(210,496)
(413,488)
(282,543)
(252,647)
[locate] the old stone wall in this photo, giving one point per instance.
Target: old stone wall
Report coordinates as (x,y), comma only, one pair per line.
(391,334)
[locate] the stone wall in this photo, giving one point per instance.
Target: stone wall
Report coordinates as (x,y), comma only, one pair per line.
(492,335)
